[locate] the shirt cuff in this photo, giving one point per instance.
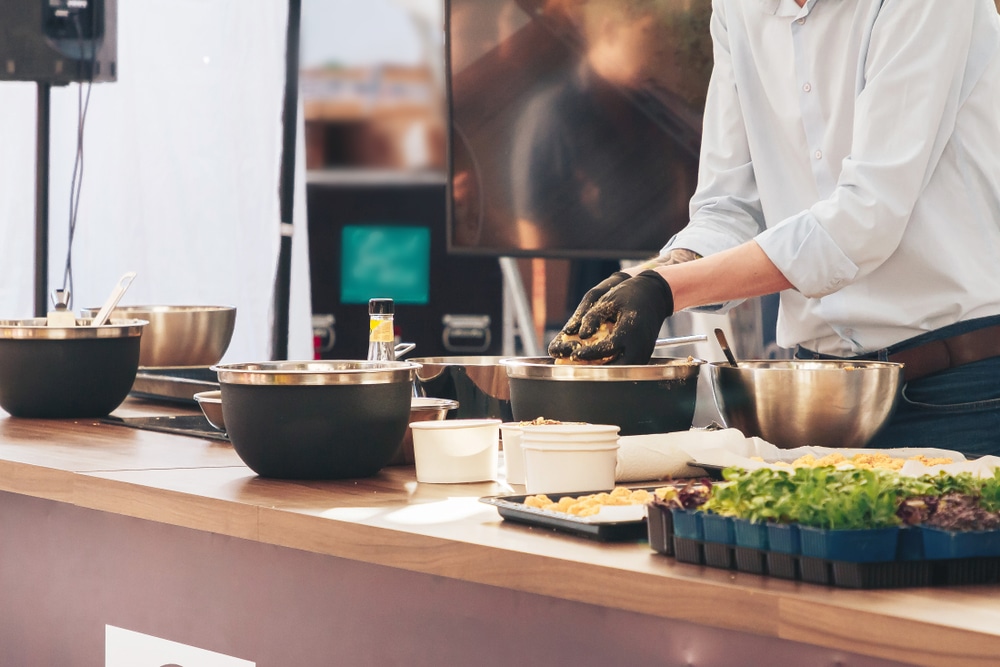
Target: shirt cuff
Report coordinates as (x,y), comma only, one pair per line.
(807,255)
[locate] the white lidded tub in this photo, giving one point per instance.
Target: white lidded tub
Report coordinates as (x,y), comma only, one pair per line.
(562,458)
(455,451)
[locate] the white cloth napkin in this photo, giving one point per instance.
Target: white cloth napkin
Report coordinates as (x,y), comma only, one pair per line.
(666,455)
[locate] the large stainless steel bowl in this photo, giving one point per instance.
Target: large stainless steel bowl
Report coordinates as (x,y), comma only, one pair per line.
(794,403)
(478,383)
(658,397)
(316,419)
(180,336)
(64,372)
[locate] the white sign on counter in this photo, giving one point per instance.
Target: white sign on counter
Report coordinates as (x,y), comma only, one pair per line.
(125,648)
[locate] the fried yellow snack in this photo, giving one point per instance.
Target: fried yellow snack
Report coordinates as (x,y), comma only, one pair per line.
(591,504)
(867,460)
(538,501)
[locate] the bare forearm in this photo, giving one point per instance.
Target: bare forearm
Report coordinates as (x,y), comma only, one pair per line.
(739,273)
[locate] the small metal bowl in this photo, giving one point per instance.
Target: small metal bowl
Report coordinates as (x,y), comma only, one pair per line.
(795,403)
(210,403)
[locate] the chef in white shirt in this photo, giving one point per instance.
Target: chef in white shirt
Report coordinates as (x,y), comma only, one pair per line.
(850,161)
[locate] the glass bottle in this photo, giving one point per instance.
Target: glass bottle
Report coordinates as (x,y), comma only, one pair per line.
(381,337)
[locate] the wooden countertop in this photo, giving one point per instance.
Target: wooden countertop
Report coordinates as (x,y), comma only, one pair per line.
(391,520)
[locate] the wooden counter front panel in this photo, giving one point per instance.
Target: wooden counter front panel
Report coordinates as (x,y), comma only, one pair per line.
(66,572)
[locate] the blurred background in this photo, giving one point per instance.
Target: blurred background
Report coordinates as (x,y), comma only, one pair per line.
(419,168)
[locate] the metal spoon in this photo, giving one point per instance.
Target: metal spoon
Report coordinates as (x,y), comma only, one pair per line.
(721,336)
(116,294)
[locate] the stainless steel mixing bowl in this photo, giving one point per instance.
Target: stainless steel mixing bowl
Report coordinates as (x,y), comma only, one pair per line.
(180,336)
(478,383)
(794,403)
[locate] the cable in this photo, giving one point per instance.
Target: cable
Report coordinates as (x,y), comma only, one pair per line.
(76,181)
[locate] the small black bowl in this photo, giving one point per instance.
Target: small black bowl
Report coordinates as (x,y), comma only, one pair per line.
(67,372)
(316,419)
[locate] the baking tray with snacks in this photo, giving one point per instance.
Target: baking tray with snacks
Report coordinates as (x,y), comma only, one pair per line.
(609,523)
(910,460)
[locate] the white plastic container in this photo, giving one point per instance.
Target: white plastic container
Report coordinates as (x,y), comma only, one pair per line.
(455,451)
(561,458)
(513,457)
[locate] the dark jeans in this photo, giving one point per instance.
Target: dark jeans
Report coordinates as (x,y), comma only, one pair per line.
(955,409)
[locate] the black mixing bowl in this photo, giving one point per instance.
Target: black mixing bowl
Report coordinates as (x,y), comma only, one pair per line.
(316,419)
(67,372)
(658,397)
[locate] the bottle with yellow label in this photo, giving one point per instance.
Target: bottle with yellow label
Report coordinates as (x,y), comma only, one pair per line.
(381,337)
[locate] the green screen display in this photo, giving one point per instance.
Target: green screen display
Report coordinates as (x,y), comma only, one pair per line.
(385,261)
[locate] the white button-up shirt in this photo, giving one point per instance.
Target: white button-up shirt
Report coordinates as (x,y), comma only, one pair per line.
(858,141)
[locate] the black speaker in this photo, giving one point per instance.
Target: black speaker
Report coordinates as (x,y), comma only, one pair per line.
(58,41)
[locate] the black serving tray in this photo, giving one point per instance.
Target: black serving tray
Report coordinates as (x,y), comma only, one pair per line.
(192,425)
(512,508)
(174,384)
(714,472)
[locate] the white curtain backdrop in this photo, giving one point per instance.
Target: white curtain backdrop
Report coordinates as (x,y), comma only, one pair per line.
(182,158)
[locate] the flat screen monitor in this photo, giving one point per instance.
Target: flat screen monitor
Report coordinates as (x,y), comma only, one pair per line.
(574,125)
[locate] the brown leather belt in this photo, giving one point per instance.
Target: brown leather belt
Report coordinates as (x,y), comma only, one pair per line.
(940,355)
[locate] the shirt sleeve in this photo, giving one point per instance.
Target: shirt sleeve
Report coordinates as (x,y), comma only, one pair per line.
(725,209)
(913,82)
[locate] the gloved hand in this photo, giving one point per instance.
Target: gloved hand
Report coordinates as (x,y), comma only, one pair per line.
(637,308)
(561,346)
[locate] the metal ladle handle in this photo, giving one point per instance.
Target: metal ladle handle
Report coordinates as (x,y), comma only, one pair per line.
(724,344)
(680,340)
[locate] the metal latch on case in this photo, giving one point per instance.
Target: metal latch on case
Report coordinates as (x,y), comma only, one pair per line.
(466,333)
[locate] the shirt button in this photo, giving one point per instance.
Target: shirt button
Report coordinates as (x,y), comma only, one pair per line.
(801,21)
(818,155)
(807,87)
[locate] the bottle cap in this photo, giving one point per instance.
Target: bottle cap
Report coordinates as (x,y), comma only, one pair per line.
(380,307)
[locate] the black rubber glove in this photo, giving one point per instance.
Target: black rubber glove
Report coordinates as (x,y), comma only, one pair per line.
(637,308)
(560,346)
